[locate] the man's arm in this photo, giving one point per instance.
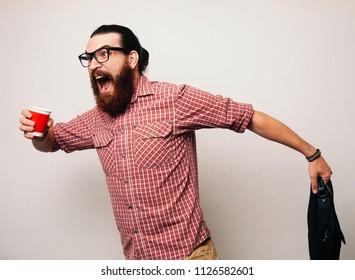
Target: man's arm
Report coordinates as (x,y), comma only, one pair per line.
(275,130)
(43,144)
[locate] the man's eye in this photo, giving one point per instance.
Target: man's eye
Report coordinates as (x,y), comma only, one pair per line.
(102,53)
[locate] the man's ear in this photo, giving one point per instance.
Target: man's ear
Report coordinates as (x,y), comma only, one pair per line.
(133,58)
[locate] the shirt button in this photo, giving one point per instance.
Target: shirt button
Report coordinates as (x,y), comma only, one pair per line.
(130,206)
(122,131)
(123,155)
(126,181)
(135,231)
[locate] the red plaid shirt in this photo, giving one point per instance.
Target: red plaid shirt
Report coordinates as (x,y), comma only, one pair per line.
(149,158)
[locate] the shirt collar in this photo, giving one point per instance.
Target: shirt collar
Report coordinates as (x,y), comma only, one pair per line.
(144,88)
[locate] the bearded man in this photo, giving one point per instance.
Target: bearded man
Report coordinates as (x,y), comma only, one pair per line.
(144,134)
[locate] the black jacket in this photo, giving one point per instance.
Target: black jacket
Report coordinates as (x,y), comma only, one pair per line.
(324,233)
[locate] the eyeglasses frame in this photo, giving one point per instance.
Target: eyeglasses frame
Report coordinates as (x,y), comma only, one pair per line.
(108,49)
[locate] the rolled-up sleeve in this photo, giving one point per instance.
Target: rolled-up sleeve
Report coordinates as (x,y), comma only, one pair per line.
(197,109)
(75,135)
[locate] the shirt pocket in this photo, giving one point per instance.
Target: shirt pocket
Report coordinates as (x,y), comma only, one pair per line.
(153,145)
(103,142)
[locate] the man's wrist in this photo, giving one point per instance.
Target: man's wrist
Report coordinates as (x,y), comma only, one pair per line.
(313,157)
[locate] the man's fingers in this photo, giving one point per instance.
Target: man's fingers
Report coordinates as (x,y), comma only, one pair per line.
(326,177)
(26,128)
(26,121)
(50,122)
(314,183)
(26,113)
(28,135)
(319,168)
(26,124)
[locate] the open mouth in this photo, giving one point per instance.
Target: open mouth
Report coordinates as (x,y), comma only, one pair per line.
(104,83)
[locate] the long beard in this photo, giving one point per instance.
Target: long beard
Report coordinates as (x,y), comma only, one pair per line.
(117,103)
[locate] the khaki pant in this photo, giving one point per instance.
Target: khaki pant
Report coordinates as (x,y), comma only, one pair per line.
(206,251)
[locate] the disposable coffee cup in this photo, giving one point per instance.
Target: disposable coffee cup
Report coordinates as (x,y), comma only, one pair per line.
(40,117)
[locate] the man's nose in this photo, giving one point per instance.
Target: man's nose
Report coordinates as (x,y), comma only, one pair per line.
(94,64)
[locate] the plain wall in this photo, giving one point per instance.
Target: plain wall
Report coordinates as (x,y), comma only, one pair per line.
(292,59)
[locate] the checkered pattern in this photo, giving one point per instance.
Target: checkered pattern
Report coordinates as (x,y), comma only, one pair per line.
(149,158)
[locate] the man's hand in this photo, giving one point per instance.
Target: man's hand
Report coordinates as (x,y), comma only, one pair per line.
(319,167)
(28,126)
(43,144)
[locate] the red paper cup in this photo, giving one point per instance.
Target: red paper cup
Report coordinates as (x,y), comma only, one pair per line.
(40,117)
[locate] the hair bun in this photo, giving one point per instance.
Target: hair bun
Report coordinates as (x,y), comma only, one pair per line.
(145,58)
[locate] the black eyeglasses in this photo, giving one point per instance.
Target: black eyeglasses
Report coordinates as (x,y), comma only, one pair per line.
(101,55)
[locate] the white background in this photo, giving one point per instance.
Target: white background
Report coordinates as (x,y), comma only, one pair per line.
(293,59)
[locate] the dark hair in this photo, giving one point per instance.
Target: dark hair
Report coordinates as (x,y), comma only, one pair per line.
(128,41)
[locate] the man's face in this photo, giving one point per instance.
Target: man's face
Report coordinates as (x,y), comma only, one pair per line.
(112,81)
(104,73)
